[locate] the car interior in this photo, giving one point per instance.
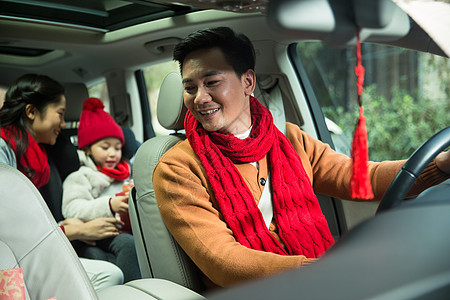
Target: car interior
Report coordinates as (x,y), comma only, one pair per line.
(107,48)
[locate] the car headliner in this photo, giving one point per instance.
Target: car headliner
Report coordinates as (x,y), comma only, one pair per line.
(85,38)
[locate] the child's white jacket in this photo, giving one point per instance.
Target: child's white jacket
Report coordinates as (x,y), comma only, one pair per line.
(86,192)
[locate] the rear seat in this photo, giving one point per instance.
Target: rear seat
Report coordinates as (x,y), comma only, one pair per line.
(63,157)
(63,160)
(75,94)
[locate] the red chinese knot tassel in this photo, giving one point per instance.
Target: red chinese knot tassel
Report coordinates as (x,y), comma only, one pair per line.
(360,181)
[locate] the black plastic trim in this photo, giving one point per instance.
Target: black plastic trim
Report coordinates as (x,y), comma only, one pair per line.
(145,106)
(319,123)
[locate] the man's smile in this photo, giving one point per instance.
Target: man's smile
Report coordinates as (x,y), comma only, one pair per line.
(208,112)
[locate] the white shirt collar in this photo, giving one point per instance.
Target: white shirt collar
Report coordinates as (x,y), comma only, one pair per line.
(244,135)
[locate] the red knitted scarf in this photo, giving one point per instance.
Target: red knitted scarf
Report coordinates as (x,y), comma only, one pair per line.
(301,224)
(120,172)
(34,160)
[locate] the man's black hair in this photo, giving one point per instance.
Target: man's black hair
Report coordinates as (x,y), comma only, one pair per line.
(236,47)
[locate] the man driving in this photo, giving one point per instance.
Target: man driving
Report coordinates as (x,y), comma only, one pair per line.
(238,195)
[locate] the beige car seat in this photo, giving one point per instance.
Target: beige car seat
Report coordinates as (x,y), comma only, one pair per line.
(159,254)
(31,239)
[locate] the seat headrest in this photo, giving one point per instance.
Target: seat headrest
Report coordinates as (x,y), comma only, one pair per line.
(171,110)
(75,94)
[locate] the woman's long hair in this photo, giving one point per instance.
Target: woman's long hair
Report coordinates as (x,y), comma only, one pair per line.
(38,90)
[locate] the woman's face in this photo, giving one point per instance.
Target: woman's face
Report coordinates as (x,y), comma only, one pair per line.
(45,126)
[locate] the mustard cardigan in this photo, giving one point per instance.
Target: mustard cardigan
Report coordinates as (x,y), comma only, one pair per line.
(190,211)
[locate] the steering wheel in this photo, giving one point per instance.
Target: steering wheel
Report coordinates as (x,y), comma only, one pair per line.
(412,168)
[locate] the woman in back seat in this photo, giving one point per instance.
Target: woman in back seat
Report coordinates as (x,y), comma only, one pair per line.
(33,115)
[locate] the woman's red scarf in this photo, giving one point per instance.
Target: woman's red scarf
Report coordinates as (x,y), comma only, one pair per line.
(33,162)
(301,224)
(120,172)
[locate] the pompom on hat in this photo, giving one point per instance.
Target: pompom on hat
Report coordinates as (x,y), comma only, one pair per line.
(96,124)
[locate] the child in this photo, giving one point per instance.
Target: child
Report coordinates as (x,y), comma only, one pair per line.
(90,192)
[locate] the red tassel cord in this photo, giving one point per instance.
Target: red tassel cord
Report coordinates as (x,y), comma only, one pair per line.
(360,180)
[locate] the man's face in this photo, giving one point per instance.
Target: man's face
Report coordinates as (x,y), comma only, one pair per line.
(214,94)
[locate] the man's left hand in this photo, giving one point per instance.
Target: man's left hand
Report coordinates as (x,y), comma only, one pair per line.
(443,162)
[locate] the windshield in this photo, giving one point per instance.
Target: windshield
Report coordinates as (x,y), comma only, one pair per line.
(405,94)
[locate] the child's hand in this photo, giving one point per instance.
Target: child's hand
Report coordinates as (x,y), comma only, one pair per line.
(119,204)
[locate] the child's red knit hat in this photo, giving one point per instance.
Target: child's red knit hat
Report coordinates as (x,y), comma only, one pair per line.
(96,124)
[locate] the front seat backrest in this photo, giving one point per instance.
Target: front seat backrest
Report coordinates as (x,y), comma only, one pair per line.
(159,254)
(29,233)
(31,239)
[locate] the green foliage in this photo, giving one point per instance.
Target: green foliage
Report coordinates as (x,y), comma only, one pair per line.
(397,127)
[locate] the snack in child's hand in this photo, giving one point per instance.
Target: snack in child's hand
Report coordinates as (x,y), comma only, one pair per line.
(125,218)
(127,185)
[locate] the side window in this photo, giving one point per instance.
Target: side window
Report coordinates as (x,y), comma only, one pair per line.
(2,95)
(154,76)
(100,90)
(405,94)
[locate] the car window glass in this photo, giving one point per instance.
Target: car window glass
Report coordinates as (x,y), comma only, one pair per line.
(154,76)
(2,95)
(405,94)
(99,90)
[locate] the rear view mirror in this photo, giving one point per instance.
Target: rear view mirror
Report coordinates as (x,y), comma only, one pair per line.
(336,21)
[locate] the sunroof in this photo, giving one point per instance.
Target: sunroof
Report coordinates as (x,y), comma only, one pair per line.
(105,15)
